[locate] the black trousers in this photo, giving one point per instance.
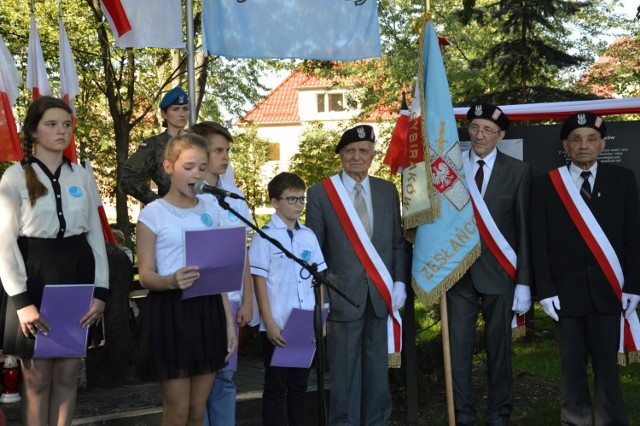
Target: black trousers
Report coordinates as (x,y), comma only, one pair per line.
(596,336)
(282,383)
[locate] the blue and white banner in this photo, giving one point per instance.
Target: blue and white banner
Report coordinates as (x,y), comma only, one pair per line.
(338,30)
(445,248)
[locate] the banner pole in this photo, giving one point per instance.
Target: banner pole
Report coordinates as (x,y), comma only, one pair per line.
(191,74)
(446,350)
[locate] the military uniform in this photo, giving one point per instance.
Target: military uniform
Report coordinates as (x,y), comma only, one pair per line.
(143,164)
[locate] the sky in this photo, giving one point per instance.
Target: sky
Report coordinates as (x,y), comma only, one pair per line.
(630,7)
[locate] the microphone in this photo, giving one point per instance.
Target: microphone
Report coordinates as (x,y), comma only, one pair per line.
(201,187)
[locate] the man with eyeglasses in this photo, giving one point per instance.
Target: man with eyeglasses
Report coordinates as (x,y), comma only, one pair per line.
(497,284)
(356,218)
(586,252)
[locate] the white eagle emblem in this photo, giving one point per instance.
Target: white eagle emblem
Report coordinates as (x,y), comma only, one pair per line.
(582,119)
(361,132)
(442,175)
(478,110)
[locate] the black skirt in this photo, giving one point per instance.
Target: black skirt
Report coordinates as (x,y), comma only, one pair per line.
(48,261)
(177,338)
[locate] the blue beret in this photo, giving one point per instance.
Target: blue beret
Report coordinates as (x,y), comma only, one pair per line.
(175,96)
(583,119)
(489,112)
(359,133)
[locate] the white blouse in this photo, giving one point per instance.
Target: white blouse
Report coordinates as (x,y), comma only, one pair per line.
(71,212)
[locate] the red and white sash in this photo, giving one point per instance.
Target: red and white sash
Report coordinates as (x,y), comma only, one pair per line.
(491,235)
(366,252)
(600,247)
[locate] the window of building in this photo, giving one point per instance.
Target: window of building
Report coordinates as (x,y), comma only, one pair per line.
(329,102)
(274,151)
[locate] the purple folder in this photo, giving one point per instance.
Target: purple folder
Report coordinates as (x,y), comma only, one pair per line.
(300,337)
(219,254)
(62,307)
(233,359)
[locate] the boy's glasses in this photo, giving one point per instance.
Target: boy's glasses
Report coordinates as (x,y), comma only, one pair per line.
(293,200)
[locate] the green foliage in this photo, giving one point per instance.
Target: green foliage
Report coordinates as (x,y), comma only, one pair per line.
(316,159)
(249,156)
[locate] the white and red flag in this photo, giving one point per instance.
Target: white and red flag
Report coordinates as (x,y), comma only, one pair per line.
(37,80)
(145,23)
(69,87)
(397,156)
(10,148)
(106,228)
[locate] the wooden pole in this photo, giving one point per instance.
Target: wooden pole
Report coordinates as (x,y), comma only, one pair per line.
(446,350)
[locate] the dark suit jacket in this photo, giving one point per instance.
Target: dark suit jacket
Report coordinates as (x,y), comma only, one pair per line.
(344,268)
(564,265)
(508,200)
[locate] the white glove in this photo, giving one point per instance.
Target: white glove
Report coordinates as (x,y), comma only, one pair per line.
(550,305)
(521,299)
(398,295)
(629,303)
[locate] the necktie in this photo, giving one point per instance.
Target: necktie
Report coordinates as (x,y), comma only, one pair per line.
(361,208)
(585,189)
(480,175)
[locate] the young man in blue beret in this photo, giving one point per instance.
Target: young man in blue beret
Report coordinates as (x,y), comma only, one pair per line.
(146,162)
(586,247)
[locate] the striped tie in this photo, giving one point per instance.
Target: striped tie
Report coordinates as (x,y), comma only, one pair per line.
(585,189)
(361,208)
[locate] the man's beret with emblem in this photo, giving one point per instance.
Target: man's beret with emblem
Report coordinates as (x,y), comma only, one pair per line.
(489,112)
(175,96)
(583,119)
(359,133)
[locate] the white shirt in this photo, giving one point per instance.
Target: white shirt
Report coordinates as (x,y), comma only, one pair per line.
(168,223)
(286,289)
(489,161)
(349,184)
(575,172)
(79,210)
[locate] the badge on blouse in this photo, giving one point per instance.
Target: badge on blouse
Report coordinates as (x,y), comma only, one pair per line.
(206,219)
(76,191)
(305,255)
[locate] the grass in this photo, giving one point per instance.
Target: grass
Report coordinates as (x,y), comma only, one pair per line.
(536,371)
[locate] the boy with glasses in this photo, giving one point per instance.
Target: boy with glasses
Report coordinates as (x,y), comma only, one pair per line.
(281,285)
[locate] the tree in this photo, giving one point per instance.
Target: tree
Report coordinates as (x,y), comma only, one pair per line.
(316,143)
(121,88)
(250,155)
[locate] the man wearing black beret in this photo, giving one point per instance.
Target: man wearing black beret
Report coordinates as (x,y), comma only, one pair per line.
(498,282)
(356,218)
(586,252)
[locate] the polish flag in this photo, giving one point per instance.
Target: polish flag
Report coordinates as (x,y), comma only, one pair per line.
(145,23)
(69,87)
(37,81)
(397,157)
(10,147)
(106,229)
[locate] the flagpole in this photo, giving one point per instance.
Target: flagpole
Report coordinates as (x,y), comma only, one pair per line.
(191,74)
(444,324)
(446,351)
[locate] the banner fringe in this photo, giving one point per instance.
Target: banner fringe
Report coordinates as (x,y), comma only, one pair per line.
(434,295)
(394,360)
(418,218)
(622,359)
(633,357)
(518,333)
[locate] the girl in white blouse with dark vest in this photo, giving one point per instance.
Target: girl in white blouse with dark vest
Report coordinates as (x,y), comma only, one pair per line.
(51,234)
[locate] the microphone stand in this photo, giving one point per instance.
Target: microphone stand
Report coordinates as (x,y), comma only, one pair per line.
(318,280)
